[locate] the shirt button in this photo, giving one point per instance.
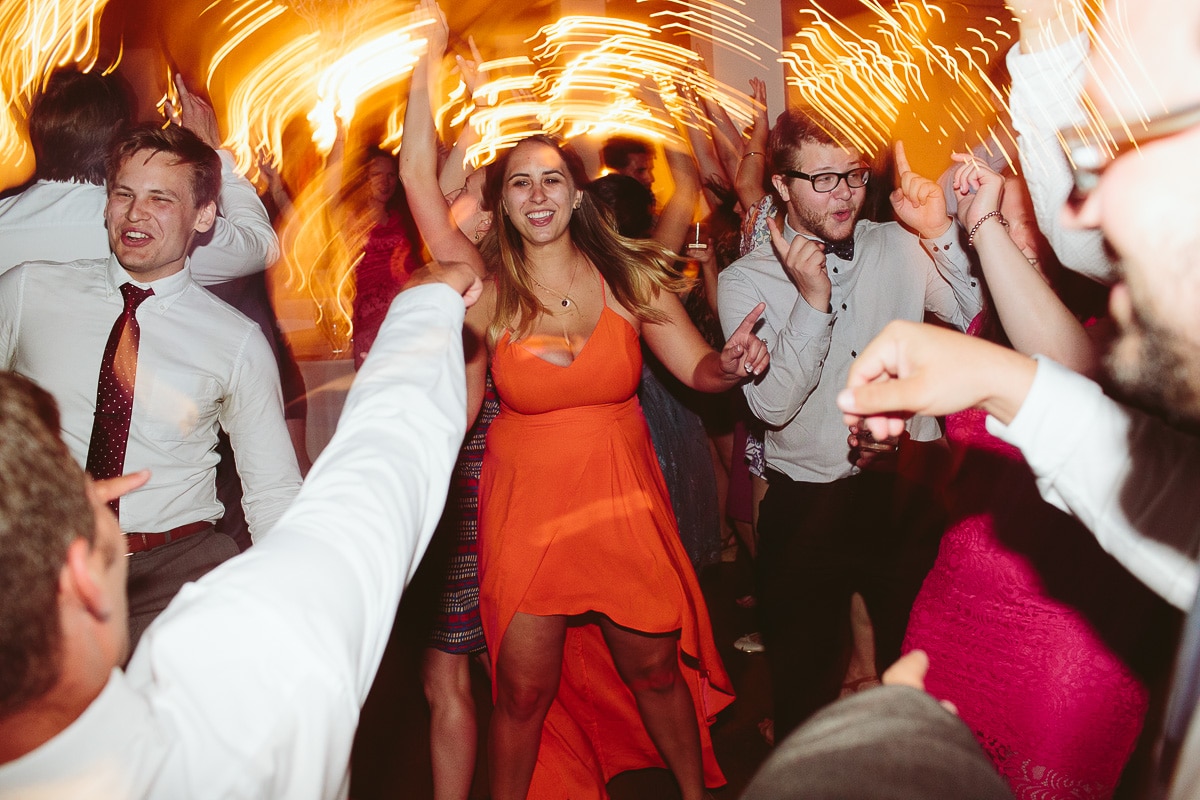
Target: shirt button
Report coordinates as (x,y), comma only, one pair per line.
(835,269)
(843,306)
(854,354)
(972,284)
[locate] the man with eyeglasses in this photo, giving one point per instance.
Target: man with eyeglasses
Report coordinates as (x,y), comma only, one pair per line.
(1126,474)
(832,522)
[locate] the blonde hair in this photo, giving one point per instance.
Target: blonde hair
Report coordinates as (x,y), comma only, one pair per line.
(635,270)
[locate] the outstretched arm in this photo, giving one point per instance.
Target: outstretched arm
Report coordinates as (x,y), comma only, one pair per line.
(454,172)
(751,173)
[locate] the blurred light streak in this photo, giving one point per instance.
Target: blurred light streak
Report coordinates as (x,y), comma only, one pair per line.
(865,82)
(36,38)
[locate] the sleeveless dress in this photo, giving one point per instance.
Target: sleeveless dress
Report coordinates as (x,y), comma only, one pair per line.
(1023,617)
(575,518)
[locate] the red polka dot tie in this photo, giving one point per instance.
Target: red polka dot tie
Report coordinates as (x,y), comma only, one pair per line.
(114,391)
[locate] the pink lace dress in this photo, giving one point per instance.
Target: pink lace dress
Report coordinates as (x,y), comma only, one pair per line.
(1022,615)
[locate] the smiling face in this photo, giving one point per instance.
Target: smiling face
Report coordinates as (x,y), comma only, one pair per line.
(151,215)
(1146,204)
(826,215)
(538,194)
(382,178)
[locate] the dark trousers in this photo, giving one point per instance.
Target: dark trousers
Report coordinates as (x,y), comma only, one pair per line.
(155,576)
(818,544)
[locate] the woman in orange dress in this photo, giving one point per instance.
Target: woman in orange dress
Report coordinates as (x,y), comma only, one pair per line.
(601,648)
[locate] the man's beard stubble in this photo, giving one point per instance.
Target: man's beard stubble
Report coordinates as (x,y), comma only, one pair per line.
(1147,369)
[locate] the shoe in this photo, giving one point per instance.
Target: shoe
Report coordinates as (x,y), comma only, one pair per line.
(750,643)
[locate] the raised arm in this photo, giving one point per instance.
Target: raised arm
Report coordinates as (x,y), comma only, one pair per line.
(1048,68)
(676,216)
(242,241)
(418,159)
(750,178)
(1034,318)
(453,175)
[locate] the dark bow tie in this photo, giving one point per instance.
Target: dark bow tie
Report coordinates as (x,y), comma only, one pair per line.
(843,249)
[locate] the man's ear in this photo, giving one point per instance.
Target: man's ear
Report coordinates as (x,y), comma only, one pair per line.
(206,218)
(78,579)
(780,184)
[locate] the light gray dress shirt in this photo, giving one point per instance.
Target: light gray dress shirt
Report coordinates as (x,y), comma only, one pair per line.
(893,275)
(201,364)
(249,685)
(64,221)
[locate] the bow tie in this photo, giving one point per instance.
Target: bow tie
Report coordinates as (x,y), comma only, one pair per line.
(843,249)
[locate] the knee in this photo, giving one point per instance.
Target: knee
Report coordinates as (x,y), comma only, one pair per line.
(523,700)
(447,684)
(659,676)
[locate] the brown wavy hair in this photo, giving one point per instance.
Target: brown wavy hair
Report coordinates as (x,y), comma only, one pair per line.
(635,270)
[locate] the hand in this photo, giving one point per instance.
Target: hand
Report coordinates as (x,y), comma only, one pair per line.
(918,201)
(979,187)
(871,452)
(195,114)
(704,256)
(804,262)
(744,353)
(455,274)
(469,69)
(910,670)
(438,31)
(912,368)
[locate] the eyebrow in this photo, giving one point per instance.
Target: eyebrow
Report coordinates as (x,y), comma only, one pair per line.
(529,175)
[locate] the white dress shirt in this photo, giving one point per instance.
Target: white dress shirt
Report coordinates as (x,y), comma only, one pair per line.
(893,275)
(64,221)
(200,363)
(249,685)
(1045,98)
(1127,476)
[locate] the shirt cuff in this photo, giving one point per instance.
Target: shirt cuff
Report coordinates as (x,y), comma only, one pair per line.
(806,321)
(1050,415)
(946,243)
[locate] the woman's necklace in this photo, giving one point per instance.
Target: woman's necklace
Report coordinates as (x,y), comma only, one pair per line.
(564,297)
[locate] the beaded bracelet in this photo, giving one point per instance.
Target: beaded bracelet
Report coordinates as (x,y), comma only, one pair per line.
(980,221)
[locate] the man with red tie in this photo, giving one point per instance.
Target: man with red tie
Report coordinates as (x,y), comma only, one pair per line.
(146,366)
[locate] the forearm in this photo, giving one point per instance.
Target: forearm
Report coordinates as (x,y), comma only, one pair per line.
(242,241)
(1128,477)
(1033,317)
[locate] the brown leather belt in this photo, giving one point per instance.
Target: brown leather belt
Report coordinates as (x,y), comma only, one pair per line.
(141,542)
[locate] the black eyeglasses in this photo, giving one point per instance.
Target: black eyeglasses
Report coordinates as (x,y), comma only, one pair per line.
(1092,152)
(825,182)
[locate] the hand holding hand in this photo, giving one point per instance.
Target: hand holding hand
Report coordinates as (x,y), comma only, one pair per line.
(744,353)
(457,275)
(918,201)
(804,262)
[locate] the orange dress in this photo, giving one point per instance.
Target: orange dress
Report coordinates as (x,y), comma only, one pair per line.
(575,518)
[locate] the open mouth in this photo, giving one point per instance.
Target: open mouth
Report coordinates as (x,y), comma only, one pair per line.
(539,218)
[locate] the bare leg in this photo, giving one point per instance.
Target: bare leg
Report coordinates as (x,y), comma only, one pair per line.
(452,731)
(527,674)
(649,666)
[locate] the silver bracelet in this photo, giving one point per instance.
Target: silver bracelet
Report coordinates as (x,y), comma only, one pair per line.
(980,221)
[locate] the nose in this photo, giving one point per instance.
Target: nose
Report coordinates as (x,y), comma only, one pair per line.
(842,189)
(136,209)
(538,192)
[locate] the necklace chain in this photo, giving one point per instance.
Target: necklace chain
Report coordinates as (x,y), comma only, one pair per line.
(564,297)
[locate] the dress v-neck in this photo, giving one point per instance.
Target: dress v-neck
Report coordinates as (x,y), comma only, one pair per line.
(576,356)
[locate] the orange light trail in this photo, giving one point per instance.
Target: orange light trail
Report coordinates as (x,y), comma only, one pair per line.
(37,38)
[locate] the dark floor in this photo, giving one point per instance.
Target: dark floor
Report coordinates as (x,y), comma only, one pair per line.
(391,751)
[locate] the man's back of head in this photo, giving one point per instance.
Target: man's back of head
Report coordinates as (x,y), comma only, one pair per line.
(43,508)
(72,122)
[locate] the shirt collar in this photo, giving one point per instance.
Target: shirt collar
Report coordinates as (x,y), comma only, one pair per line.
(166,290)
